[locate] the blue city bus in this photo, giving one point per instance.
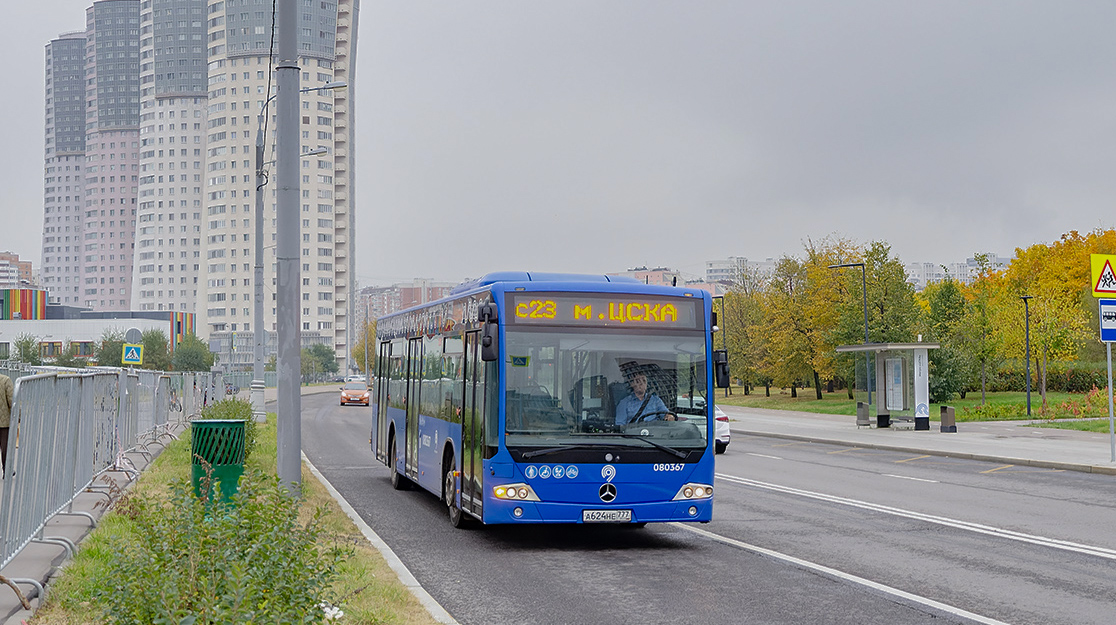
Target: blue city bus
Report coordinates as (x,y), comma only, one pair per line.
(515,400)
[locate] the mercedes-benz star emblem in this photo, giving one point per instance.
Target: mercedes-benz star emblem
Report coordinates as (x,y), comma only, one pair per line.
(608,492)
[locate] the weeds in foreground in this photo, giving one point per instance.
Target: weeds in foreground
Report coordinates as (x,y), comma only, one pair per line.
(186,561)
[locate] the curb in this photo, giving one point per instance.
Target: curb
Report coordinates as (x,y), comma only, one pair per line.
(1026,462)
(437,612)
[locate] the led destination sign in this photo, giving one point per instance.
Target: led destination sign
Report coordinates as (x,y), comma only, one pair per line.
(604,310)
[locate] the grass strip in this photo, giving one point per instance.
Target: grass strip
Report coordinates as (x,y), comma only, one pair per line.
(368,589)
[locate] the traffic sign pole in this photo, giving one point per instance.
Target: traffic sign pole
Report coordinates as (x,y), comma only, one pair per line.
(1107,309)
(1111,423)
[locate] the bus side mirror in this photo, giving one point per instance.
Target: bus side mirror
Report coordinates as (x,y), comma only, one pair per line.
(490,344)
(721,368)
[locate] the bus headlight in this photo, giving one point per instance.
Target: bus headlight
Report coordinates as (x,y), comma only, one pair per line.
(694,491)
(515,492)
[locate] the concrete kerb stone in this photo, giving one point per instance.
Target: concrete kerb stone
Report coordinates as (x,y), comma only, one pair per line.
(1027,462)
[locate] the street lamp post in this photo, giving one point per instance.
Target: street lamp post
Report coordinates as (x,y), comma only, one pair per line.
(1027,317)
(864,294)
(261,180)
(260,333)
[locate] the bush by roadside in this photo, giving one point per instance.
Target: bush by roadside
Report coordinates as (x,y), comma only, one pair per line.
(127,570)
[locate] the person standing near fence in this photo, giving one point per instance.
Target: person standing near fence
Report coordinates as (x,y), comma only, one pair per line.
(7,391)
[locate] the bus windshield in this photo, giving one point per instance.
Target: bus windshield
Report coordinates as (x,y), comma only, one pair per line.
(616,388)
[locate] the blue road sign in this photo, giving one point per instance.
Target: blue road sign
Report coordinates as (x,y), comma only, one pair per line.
(133,355)
(1108,320)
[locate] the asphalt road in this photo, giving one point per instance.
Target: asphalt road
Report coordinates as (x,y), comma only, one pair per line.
(881,524)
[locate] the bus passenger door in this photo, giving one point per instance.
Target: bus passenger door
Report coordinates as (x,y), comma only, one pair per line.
(381,399)
(472,429)
(414,383)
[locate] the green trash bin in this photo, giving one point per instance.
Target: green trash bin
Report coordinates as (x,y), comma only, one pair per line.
(220,444)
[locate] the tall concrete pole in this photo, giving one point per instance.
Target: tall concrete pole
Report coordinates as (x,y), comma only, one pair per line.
(288,289)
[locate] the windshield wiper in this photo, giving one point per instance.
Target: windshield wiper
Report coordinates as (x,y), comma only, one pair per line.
(551,450)
(638,437)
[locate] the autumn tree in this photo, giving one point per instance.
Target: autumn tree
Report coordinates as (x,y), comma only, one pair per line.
(949,366)
(785,325)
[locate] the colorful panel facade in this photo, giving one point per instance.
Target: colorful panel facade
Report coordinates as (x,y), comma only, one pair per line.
(23,304)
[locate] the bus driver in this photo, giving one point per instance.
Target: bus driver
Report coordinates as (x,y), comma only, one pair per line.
(640,405)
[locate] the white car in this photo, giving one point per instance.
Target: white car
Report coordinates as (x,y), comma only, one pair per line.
(723,433)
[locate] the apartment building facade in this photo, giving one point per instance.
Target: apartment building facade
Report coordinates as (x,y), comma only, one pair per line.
(64,169)
(241,83)
(173,100)
(111,153)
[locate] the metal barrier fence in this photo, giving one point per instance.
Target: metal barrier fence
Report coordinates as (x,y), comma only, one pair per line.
(69,427)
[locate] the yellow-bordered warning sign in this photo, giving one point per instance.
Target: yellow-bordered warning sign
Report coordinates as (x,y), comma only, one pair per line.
(132,355)
(1104,278)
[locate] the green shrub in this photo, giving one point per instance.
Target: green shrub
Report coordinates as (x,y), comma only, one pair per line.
(250,561)
(234,409)
(993,412)
(1061,377)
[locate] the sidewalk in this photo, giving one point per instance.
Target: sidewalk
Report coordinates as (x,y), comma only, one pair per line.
(1006,442)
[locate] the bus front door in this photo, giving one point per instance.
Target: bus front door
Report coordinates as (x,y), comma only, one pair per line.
(472,428)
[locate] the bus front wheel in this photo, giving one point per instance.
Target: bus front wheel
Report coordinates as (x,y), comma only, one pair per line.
(449,492)
(398,481)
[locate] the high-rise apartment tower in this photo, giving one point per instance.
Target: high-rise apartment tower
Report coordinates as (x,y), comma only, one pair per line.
(168,266)
(111,153)
(63,169)
(241,83)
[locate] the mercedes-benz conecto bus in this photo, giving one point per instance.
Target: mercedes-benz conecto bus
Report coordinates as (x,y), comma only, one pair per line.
(550,398)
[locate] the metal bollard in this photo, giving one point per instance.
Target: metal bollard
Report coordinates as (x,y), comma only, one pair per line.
(862,418)
(949,420)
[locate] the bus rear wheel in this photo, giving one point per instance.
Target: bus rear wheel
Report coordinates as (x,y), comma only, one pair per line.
(398,481)
(449,493)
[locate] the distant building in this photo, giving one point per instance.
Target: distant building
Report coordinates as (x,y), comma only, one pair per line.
(64,168)
(377,301)
(111,121)
(658,275)
(920,275)
(25,312)
(732,269)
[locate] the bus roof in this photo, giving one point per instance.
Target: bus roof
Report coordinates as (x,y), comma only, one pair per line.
(534,276)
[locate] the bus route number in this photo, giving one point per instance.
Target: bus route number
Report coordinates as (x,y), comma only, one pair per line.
(670,466)
(536,309)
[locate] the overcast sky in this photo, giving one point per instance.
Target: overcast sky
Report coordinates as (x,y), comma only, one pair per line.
(594,136)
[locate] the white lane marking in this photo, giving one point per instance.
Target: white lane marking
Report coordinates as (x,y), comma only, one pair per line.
(437,612)
(748,453)
(891,590)
(905,477)
(1100,552)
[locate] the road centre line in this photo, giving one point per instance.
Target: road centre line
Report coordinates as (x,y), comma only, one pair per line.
(907,477)
(748,453)
(1100,552)
(891,590)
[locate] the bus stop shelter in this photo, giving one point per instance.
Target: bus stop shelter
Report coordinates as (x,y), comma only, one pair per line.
(892,382)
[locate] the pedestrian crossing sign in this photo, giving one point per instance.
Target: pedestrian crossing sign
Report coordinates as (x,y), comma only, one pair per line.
(1104,278)
(133,354)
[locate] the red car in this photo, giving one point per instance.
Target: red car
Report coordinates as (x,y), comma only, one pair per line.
(354,393)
